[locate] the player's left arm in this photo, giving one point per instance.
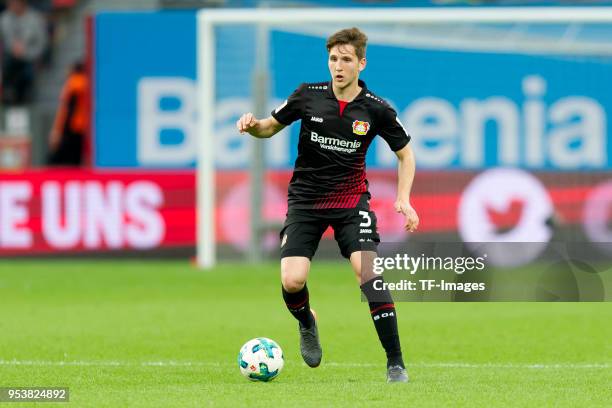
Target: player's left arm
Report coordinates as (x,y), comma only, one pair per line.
(406,168)
(392,130)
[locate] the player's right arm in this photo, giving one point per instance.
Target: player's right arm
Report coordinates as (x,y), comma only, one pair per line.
(259,128)
(287,113)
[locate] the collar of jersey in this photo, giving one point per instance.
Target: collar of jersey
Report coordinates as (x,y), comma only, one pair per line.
(364,89)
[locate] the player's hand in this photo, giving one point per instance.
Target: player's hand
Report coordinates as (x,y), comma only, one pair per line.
(247,122)
(412,219)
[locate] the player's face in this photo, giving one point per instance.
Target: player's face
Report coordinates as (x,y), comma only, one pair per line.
(344,65)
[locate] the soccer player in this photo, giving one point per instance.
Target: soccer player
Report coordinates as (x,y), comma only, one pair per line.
(340,118)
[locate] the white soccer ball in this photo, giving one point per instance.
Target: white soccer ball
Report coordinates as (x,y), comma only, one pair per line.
(261,359)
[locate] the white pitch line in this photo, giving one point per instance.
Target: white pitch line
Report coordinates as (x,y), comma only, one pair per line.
(82,363)
(171,363)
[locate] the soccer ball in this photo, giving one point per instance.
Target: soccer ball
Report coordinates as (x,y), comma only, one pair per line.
(260,359)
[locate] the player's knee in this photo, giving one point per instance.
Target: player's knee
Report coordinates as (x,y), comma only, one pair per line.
(293,276)
(292,281)
(291,284)
(361,262)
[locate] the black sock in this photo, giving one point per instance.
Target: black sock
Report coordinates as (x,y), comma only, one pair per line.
(298,305)
(384,316)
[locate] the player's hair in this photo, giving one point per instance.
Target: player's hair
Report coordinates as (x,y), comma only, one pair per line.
(353,36)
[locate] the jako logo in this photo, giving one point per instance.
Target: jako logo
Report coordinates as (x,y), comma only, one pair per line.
(316,119)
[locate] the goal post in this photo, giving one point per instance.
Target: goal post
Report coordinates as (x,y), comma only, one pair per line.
(208,21)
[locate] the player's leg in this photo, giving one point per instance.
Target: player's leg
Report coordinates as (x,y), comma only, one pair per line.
(294,273)
(382,310)
(357,237)
(299,241)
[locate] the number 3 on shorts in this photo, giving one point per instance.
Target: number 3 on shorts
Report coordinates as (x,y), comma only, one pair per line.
(367,221)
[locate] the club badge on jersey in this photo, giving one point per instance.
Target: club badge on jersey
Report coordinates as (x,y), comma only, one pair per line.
(360,127)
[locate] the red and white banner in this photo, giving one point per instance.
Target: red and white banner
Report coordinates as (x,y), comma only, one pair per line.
(497,204)
(47,211)
(53,211)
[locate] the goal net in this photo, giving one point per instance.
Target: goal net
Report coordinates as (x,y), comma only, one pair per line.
(507,108)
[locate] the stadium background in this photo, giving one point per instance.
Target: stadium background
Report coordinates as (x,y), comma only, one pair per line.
(161,332)
(470,108)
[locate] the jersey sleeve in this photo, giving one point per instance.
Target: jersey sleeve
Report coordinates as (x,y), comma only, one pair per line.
(290,110)
(392,130)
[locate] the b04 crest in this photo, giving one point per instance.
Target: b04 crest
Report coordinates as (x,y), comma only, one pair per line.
(360,127)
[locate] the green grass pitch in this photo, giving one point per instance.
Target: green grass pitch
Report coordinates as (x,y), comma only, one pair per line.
(151,333)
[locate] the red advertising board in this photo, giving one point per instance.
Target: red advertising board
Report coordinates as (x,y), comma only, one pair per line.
(55,211)
(498,204)
(47,211)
